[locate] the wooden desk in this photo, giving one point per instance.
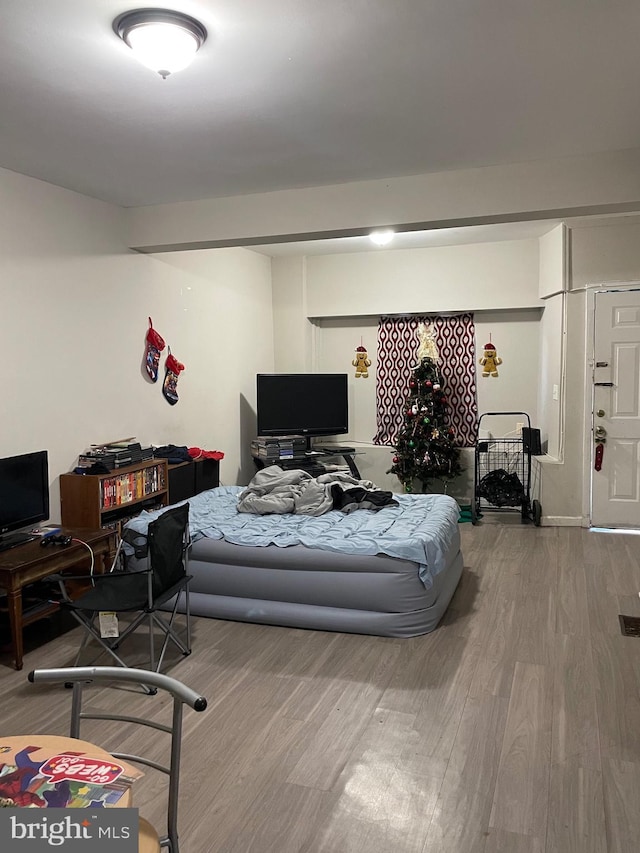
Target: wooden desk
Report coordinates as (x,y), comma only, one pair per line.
(52,744)
(31,562)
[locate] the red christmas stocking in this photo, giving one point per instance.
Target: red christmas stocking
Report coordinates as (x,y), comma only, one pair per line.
(155,345)
(174,369)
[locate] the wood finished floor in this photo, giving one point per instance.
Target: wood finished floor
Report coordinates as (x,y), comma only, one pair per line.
(513,728)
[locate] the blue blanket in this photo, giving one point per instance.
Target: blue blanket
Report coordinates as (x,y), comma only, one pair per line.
(422,528)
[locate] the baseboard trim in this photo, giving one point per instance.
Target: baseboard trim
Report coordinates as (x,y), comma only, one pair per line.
(562,521)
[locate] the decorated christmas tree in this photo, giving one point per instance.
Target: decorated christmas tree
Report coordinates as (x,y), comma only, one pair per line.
(425,446)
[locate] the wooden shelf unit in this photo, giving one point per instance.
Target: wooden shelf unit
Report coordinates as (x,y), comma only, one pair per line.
(104,500)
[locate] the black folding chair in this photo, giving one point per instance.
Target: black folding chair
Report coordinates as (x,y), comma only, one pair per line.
(162,577)
(182,695)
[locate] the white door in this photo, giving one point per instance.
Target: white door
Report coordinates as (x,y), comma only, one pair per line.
(615,488)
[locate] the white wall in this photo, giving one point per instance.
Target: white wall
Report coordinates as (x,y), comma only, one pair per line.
(554,267)
(292,334)
(553,261)
(345,293)
(481,276)
(74,303)
(551,381)
(561,479)
(226,319)
(605,251)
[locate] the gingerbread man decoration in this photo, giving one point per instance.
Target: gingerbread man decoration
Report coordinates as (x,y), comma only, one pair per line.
(361,363)
(490,360)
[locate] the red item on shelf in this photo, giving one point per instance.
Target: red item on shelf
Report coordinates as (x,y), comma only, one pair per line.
(199,453)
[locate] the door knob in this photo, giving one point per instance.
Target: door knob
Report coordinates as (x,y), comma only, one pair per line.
(600,432)
(601,413)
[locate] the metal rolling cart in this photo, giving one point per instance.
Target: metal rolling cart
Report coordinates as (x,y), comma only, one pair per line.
(502,481)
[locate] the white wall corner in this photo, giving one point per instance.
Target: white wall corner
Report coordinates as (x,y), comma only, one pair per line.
(553,270)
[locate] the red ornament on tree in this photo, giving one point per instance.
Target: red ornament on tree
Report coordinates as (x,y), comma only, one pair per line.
(428,383)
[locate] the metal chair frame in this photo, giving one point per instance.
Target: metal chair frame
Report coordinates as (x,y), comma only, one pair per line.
(87,617)
(154,681)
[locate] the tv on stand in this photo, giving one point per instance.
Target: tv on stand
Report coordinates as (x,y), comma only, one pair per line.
(302,404)
(24,496)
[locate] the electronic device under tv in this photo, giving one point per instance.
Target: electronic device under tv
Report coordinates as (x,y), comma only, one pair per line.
(24,496)
(307,404)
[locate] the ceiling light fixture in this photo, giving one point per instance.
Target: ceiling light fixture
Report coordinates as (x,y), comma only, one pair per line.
(163,40)
(382,238)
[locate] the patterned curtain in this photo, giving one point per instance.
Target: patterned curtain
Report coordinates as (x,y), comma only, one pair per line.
(397,354)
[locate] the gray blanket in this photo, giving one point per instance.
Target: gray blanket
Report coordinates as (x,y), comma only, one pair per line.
(276,491)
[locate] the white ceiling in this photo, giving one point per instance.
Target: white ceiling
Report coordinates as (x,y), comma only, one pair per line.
(290,93)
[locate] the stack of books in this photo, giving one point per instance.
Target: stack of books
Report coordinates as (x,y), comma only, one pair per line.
(126,487)
(272,450)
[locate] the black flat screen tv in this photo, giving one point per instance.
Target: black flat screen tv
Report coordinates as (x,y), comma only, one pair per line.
(308,404)
(24,495)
